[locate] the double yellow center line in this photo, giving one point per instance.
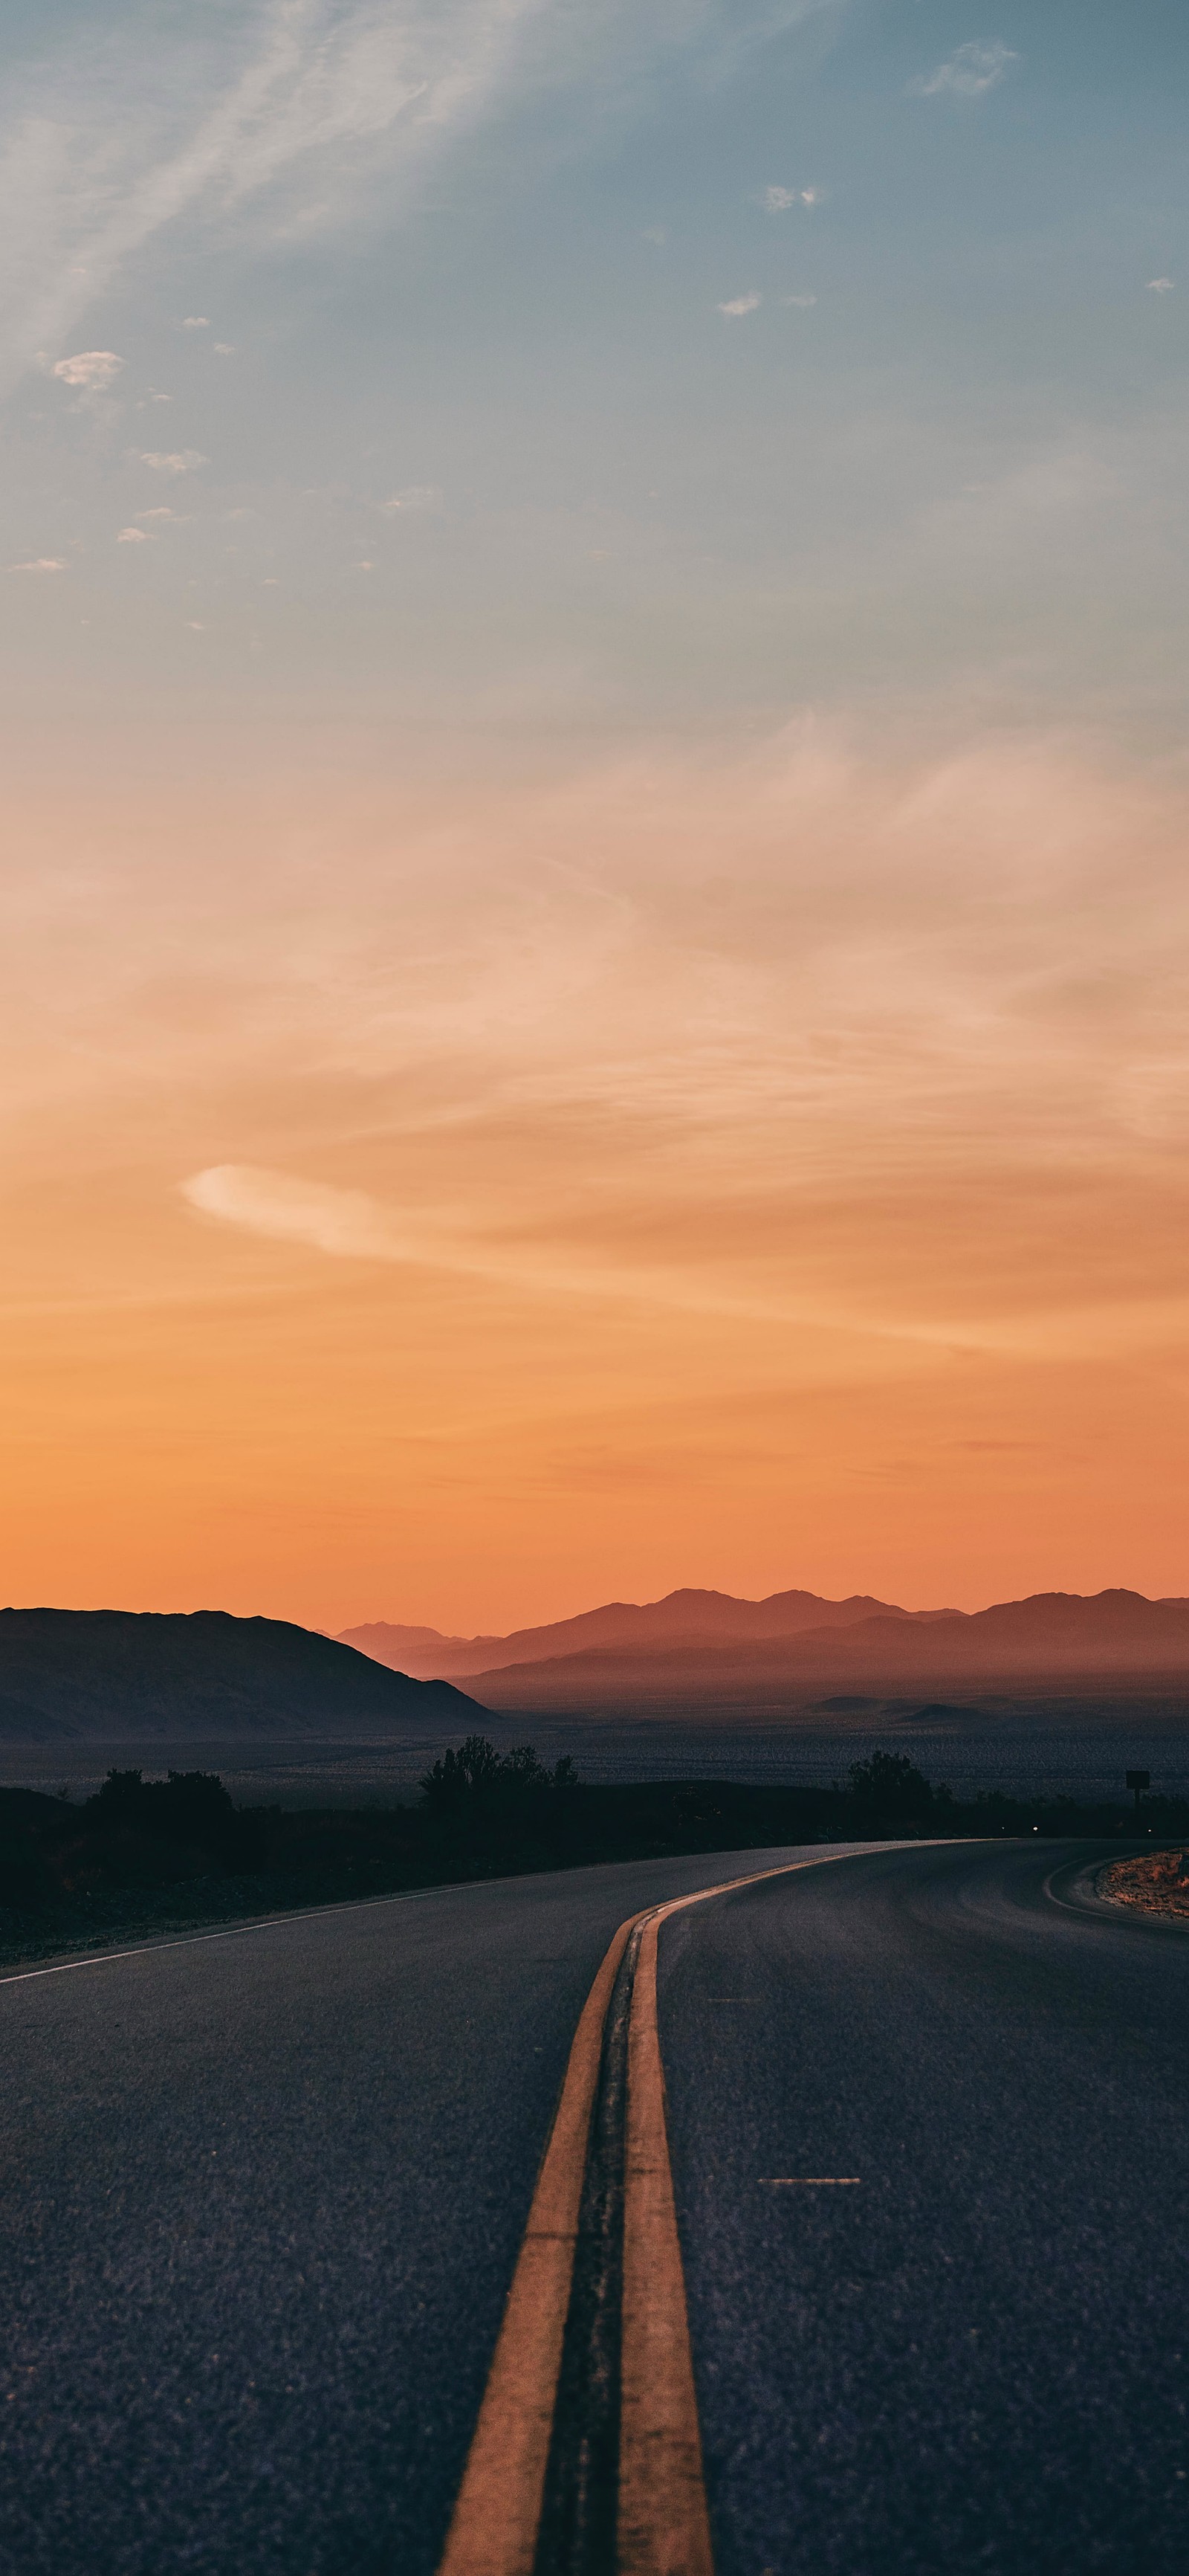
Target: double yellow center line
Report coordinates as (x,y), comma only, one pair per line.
(662,2527)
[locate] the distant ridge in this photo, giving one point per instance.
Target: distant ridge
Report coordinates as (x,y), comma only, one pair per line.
(680,1618)
(706,1650)
(70,1675)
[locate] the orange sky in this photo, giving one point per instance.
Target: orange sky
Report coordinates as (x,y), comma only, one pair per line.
(593,977)
(466,1202)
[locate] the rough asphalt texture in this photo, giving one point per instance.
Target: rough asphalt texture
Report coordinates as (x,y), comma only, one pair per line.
(265,2194)
(976,2358)
(263,2198)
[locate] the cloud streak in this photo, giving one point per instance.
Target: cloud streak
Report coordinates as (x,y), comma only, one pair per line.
(350,1225)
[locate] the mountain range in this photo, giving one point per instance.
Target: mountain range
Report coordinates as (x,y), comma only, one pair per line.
(709,1650)
(72,1676)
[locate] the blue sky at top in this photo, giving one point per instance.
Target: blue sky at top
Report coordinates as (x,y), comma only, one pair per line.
(521,401)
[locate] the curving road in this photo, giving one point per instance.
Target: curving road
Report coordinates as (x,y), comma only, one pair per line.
(975,2358)
(265,2193)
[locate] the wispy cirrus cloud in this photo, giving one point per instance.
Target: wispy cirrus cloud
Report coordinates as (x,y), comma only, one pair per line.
(741,304)
(291,115)
(350,1225)
(973,69)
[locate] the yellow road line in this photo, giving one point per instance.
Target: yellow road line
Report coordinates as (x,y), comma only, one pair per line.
(494,2527)
(663,2528)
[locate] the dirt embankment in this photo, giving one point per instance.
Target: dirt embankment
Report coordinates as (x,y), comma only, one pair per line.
(1157,1881)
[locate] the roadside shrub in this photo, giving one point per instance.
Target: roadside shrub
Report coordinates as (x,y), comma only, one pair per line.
(889,1790)
(187,1806)
(478,1782)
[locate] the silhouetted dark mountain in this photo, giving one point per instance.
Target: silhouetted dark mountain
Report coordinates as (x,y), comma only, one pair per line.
(682,1618)
(703,1650)
(67,1675)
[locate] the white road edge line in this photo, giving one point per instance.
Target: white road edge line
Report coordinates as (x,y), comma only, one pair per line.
(259,1923)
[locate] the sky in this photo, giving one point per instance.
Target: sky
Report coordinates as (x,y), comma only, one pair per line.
(593,664)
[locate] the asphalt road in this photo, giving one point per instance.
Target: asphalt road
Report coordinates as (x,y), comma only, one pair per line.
(264,2195)
(975,2357)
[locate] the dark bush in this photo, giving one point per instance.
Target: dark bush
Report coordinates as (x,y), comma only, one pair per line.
(888,1790)
(187,1806)
(479,1782)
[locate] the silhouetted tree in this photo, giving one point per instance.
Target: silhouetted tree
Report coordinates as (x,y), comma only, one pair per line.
(479,1780)
(888,1789)
(187,1805)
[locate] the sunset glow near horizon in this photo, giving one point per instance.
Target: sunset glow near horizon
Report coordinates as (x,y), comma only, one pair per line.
(597,922)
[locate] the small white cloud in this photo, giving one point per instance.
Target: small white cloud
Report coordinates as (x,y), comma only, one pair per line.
(741,304)
(803,301)
(973,69)
(196,626)
(416,497)
(224,349)
(93,369)
(777,201)
(134,537)
(160,397)
(270,582)
(182,461)
(365,567)
(196,322)
(41,563)
(162,511)
(655,233)
(1161,285)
